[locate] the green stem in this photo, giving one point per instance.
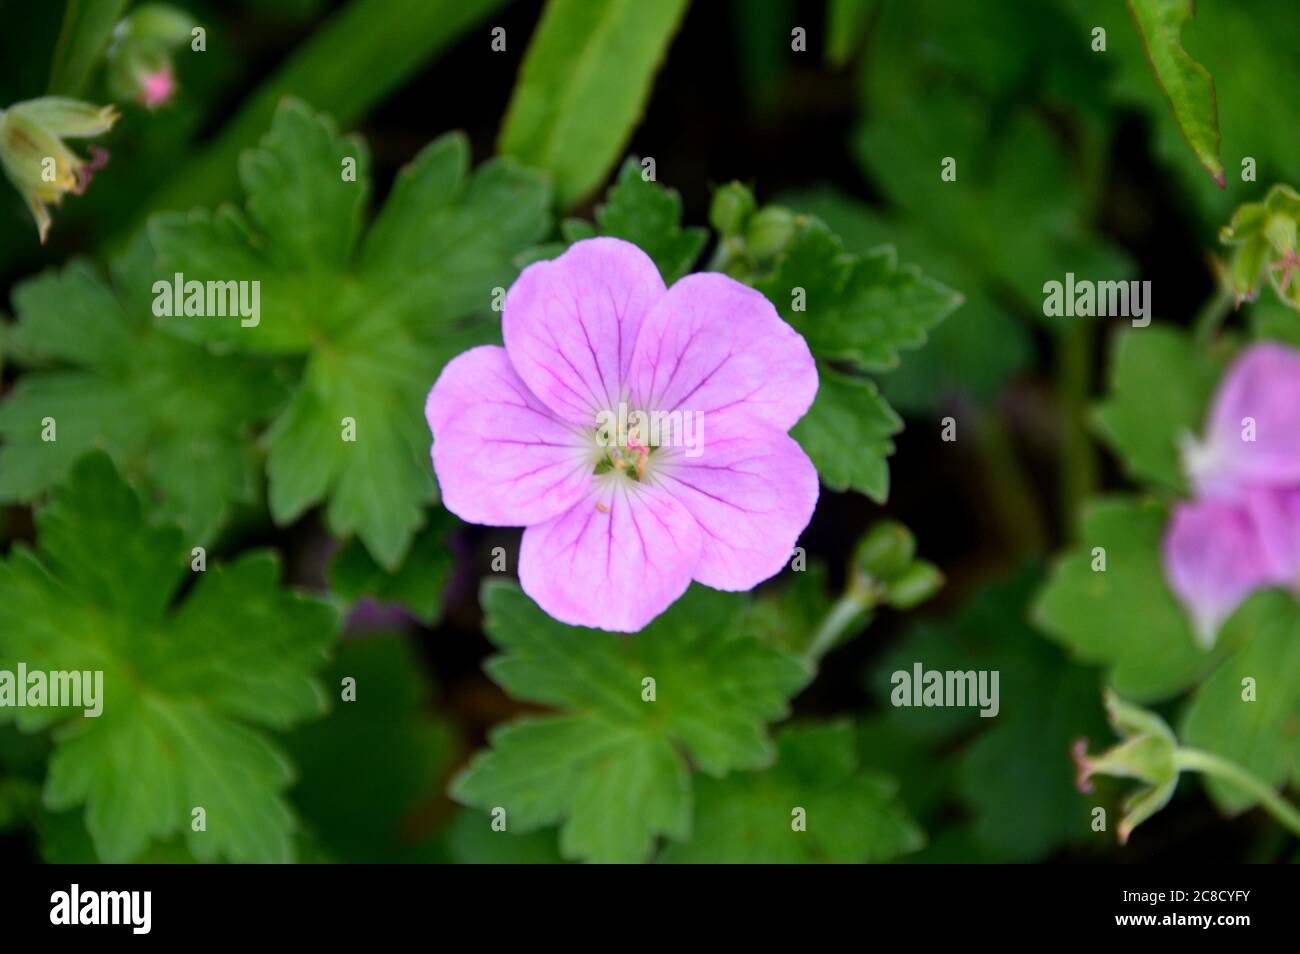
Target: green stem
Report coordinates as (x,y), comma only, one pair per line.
(87,28)
(1198,760)
(1211,315)
(847,610)
(1016,510)
(1078,457)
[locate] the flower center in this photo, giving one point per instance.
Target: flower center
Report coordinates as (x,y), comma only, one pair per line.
(623,447)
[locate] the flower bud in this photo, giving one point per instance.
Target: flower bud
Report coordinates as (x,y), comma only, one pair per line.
(769,231)
(140,54)
(732,206)
(914,586)
(1146,753)
(1264,237)
(37,161)
(886,550)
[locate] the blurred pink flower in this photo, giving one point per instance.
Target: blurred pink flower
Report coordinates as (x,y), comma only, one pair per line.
(157,87)
(1243,532)
(617,523)
(1253,435)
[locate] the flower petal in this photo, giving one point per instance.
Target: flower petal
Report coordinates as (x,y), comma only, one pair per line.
(752,490)
(1213,560)
(570,324)
(1263,385)
(615,561)
(1276,518)
(713,345)
(501,457)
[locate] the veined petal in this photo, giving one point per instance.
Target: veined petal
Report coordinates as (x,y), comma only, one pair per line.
(1213,560)
(501,457)
(752,490)
(614,561)
(714,346)
(570,324)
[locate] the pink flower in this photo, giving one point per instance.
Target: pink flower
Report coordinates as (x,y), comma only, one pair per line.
(1213,560)
(1244,532)
(620,519)
(1253,437)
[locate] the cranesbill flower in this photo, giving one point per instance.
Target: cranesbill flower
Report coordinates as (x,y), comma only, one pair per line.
(1213,559)
(621,513)
(1253,434)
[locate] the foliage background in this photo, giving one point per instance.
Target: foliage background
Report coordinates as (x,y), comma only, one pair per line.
(1069,161)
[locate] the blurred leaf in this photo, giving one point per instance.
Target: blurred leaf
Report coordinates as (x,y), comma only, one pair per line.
(1160,387)
(374,337)
(417,585)
(852,816)
(846,26)
(184,688)
(349,65)
(649,216)
(171,413)
(610,768)
(368,764)
(1124,618)
(1014,772)
(583,85)
(473,842)
(1261,734)
(1187,83)
(87,26)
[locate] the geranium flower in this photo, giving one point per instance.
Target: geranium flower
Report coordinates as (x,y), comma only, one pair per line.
(1243,531)
(619,519)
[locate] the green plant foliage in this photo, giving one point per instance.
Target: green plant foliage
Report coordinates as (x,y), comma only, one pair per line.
(611,767)
(191,687)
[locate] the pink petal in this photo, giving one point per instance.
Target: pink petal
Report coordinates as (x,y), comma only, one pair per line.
(1213,560)
(713,345)
(615,568)
(501,457)
(1262,384)
(570,324)
(752,490)
(1276,518)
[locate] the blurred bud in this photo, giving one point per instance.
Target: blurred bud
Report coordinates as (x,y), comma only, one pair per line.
(732,206)
(886,550)
(37,161)
(1146,752)
(918,583)
(1263,236)
(769,231)
(140,54)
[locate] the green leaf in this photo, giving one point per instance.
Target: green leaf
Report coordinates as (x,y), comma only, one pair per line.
(375,327)
(371,762)
(583,85)
(956,361)
(1187,83)
(188,690)
(857,308)
(472,840)
(1160,387)
(610,768)
(852,816)
(649,216)
(87,28)
(417,585)
(172,414)
(1261,733)
(846,25)
(1124,617)
(847,433)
